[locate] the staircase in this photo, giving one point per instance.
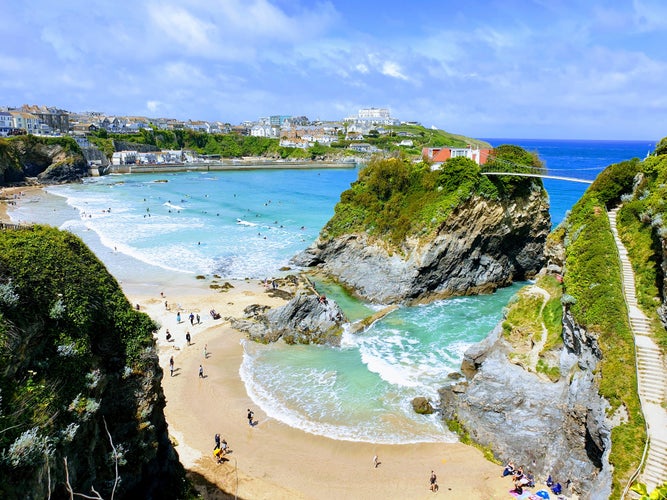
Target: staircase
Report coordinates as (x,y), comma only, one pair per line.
(652,374)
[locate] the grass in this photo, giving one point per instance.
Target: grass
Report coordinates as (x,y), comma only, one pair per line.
(593,278)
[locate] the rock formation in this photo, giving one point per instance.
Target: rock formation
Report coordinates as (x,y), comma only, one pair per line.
(306,319)
(482,245)
(50,160)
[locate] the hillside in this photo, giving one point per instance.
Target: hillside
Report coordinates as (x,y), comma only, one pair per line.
(236,146)
(79,381)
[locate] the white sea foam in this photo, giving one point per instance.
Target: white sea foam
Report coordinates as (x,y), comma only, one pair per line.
(309,411)
(171,205)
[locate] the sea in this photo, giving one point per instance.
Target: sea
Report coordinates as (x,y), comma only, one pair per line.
(248,224)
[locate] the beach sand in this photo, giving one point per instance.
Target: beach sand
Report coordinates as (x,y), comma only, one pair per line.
(270,460)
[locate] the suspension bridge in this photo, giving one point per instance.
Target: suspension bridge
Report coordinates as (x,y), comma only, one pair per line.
(508,168)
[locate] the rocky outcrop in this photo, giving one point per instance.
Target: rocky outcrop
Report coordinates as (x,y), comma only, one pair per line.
(482,245)
(51,161)
(556,428)
(306,319)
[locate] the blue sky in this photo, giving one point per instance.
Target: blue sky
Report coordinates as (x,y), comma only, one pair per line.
(514,69)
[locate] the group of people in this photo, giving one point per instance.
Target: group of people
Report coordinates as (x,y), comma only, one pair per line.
(221,448)
(520,478)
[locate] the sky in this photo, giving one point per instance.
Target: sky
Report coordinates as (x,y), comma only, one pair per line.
(561,69)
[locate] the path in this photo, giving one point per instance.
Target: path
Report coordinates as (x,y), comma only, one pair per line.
(651,374)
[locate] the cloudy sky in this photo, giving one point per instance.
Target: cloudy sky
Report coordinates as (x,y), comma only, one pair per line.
(489,68)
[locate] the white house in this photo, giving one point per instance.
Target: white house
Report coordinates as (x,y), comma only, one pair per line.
(5,123)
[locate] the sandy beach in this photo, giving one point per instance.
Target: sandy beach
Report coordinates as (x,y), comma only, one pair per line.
(271,459)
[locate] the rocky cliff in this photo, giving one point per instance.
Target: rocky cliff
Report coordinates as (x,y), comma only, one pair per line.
(50,160)
(556,428)
(81,403)
(481,245)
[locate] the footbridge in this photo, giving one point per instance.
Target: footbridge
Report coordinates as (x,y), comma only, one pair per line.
(524,171)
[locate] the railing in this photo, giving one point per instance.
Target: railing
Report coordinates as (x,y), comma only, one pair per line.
(642,462)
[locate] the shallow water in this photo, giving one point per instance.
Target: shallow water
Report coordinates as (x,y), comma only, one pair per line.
(249,224)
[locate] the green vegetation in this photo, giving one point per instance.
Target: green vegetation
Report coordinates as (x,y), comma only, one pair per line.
(533,312)
(223,145)
(394,198)
(593,284)
(71,349)
(642,227)
(236,146)
(659,493)
(456,427)
(14,151)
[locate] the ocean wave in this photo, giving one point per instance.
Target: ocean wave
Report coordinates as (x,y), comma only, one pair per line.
(390,420)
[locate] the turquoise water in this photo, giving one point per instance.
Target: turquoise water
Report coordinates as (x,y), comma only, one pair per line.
(249,224)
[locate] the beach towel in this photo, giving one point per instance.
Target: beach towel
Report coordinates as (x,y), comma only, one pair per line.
(543,494)
(523,496)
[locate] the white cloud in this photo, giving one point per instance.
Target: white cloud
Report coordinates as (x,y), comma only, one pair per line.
(182,27)
(153,106)
(392,69)
(361,68)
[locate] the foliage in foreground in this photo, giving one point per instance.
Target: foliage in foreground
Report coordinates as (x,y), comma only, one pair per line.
(72,353)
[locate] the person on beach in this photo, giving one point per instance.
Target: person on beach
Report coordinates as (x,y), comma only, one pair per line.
(168,335)
(205,352)
(251,414)
(192,319)
(376,462)
(434,482)
(217,441)
(171,366)
(187,337)
(198,319)
(201,371)
(178,317)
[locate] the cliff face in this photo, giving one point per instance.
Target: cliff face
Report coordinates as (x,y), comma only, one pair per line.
(482,244)
(79,378)
(556,428)
(51,160)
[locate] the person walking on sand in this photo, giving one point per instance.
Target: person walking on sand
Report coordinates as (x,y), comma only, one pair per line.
(376,461)
(434,482)
(178,317)
(192,319)
(217,440)
(205,352)
(187,337)
(250,415)
(171,366)
(201,371)
(198,319)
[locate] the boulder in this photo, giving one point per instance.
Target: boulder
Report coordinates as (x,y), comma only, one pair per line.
(422,406)
(307,318)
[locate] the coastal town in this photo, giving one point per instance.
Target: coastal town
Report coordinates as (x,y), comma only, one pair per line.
(359,134)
